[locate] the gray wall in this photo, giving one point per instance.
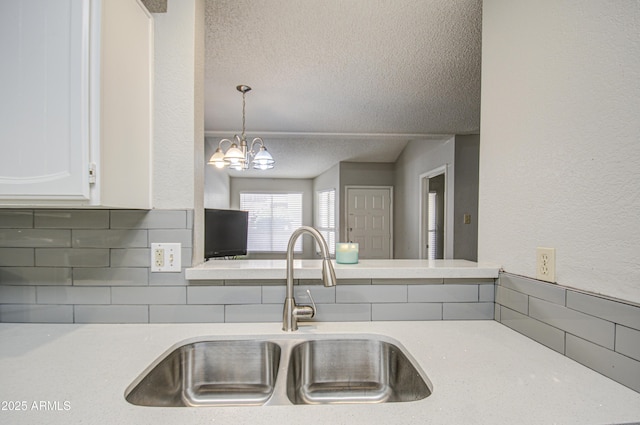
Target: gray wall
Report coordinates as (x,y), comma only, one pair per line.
(305,186)
(361,174)
(465,236)
(419,157)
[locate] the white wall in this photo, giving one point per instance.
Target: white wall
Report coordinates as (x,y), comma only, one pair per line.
(177,142)
(559,151)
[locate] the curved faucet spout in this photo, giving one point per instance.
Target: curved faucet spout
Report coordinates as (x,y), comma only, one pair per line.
(293,312)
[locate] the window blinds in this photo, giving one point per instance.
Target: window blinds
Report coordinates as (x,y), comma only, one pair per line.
(272,219)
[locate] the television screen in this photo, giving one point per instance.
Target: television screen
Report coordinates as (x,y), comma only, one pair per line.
(225,233)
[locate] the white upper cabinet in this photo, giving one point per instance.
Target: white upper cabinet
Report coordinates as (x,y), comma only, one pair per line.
(75,103)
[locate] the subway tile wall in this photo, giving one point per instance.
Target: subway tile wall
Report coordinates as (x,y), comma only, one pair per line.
(93,266)
(601,333)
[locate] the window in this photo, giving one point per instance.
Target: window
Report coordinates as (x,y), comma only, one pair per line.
(272,219)
(432,228)
(326,218)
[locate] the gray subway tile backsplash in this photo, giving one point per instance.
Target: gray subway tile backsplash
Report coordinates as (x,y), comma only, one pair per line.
(598,332)
(72,257)
(341,313)
(628,342)
(171,236)
(242,313)
(534,329)
(17,257)
(618,367)
(16,219)
(371,294)
(149,295)
(73,295)
(110,276)
(35,276)
(443,293)
(17,294)
(588,327)
(276,294)
(467,311)
(615,311)
(224,295)
(71,219)
(109,238)
(487,292)
(186,313)
(130,257)
(535,288)
(36,313)
(35,238)
(111,313)
(155,219)
(406,311)
(512,299)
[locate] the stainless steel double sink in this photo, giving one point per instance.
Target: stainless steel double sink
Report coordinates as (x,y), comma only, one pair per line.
(281,370)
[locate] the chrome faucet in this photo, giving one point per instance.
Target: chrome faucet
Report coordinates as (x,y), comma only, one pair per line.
(292,312)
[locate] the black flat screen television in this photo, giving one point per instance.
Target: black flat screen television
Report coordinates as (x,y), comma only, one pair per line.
(225,233)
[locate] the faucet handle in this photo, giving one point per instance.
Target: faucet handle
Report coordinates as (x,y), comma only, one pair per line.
(312,302)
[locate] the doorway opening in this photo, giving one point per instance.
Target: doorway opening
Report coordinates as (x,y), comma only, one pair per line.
(432,214)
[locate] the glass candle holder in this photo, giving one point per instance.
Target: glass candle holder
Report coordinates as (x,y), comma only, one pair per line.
(347,253)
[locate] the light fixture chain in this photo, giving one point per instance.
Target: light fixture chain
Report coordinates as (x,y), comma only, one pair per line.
(243,118)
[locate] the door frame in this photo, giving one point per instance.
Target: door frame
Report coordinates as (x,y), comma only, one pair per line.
(423,184)
(346,212)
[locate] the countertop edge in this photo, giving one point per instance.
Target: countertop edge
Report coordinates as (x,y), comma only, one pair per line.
(365,269)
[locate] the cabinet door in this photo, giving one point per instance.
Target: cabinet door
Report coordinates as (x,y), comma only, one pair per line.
(44,151)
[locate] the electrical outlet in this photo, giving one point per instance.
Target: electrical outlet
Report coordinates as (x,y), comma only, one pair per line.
(546,264)
(158,257)
(165,257)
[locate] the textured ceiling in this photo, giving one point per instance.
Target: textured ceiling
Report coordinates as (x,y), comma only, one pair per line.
(345,72)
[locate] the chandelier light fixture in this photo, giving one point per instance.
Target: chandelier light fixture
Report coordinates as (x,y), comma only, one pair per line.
(240,155)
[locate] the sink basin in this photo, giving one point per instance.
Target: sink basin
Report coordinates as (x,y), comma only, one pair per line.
(333,371)
(211,373)
(281,370)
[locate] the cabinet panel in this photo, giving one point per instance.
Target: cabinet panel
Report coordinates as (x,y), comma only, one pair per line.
(44,111)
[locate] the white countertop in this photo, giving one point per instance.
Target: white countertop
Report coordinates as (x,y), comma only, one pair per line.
(482,373)
(368,269)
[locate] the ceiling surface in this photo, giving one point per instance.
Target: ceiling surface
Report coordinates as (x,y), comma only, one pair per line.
(341,79)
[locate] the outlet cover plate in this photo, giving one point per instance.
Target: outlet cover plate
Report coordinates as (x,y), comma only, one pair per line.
(166,257)
(546,264)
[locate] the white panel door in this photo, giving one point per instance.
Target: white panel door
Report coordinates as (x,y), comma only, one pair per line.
(369,220)
(44,99)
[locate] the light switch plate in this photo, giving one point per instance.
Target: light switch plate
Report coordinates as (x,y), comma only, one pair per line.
(165,257)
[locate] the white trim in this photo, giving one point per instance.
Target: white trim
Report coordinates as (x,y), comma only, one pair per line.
(346,212)
(424,188)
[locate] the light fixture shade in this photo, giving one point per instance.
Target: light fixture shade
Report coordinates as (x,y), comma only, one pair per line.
(263,159)
(217,159)
(234,155)
(239,153)
(262,166)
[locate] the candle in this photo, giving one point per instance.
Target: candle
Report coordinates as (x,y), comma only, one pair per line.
(347,253)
